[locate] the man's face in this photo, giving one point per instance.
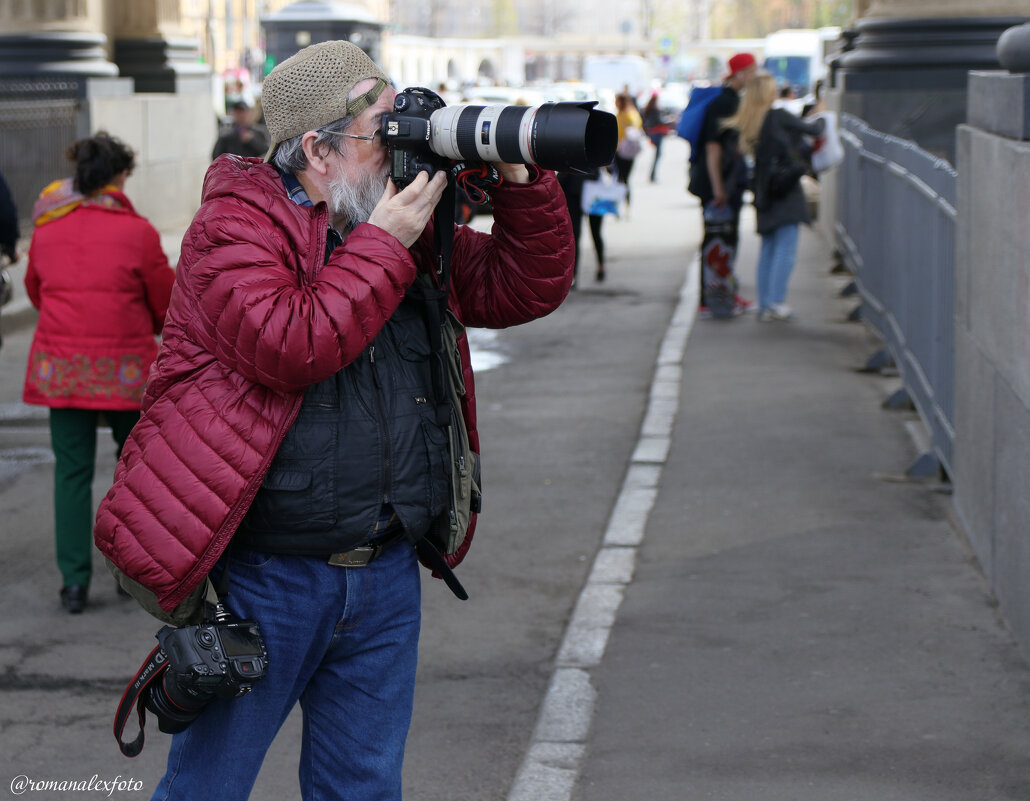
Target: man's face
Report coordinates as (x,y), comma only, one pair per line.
(364,159)
(359,173)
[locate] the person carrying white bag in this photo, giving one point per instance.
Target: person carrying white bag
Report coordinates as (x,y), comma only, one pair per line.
(827,149)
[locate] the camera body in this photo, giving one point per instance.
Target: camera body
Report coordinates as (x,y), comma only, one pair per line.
(220,658)
(407,133)
(225,659)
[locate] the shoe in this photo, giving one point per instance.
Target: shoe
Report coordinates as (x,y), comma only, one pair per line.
(704,313)
(73,598)
(741,305)
(764,316)
(782,312)
(600,276)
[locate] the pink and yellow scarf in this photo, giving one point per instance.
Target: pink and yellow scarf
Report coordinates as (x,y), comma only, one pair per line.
(60,197)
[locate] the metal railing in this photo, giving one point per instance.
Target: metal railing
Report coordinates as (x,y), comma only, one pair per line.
(39,119)
(896,232)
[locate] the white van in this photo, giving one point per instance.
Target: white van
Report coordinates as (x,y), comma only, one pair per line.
(797,57)
(615,73)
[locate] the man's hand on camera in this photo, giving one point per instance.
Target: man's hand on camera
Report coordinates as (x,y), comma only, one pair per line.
(405,213)
(513,173)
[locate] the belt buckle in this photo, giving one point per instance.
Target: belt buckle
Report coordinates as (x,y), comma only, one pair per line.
(355,557)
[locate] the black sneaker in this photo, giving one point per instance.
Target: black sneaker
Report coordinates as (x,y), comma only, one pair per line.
(73,598)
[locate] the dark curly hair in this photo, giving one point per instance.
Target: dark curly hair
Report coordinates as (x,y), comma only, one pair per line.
(98,159)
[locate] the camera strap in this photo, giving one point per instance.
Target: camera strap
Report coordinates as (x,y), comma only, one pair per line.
(150,671)
(433,299)
(434,305)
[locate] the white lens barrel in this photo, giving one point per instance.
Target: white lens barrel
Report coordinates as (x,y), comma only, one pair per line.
(484,133)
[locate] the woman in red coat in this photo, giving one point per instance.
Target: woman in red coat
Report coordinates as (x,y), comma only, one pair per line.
(101,282)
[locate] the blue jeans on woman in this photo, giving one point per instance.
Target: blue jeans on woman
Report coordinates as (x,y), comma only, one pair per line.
(775,264)
(341,640)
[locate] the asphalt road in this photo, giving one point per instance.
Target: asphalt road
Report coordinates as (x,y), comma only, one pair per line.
(559,420)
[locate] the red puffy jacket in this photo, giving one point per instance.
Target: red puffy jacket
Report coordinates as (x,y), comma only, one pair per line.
(255,318)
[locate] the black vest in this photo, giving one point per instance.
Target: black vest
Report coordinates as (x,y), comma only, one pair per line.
(364,438)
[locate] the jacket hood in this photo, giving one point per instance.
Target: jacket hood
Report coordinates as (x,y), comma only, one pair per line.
(231,180)
(248,178)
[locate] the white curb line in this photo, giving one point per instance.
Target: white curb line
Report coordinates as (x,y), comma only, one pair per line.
(552,764)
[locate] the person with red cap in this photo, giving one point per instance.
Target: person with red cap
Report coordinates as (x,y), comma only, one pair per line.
(719,177)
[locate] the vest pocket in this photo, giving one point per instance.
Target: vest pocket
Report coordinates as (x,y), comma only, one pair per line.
(296,499)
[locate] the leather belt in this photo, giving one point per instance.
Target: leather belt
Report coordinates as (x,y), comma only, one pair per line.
(363,554)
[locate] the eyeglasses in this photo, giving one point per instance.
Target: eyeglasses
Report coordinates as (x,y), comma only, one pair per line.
(368,138)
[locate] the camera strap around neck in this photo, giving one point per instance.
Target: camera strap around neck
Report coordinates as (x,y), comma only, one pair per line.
(434,305)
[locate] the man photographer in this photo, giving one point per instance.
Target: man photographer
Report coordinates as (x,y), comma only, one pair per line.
(288,436)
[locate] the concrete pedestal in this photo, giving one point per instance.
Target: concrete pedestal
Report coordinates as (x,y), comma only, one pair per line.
(992,338)
(61,53)
(160,64)
(999,102)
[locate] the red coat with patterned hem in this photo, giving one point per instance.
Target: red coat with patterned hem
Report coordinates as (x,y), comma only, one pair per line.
(101,283)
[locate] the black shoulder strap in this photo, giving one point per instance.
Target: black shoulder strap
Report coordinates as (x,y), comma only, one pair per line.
(434,304)
(433,299)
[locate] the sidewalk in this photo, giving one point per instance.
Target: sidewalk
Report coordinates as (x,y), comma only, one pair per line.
(799,628)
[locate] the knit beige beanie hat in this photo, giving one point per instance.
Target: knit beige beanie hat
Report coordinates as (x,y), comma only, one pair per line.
(309,90)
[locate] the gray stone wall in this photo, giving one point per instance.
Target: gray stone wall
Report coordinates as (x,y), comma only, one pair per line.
(992,341)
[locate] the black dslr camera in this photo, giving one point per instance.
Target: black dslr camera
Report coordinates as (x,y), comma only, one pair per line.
(221,659)
(424,134)
(190,667)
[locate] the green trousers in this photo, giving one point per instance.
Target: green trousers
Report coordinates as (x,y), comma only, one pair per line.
(73,436)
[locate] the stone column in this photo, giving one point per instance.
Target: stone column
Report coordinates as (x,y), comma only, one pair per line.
(907,68)
(53,38)
(149,45)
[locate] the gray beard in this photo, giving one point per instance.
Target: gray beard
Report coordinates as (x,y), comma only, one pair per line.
(355,202)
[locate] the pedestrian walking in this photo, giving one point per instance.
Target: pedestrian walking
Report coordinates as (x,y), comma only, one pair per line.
(299,417)
(101,282)
(8,223)
(775,137)
(572,186)
(243,137)
(718,178)
(656,127)
(631,139)
(8,242)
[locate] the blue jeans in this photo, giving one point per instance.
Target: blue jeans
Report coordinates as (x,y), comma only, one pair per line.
(341,640)
(776,263)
